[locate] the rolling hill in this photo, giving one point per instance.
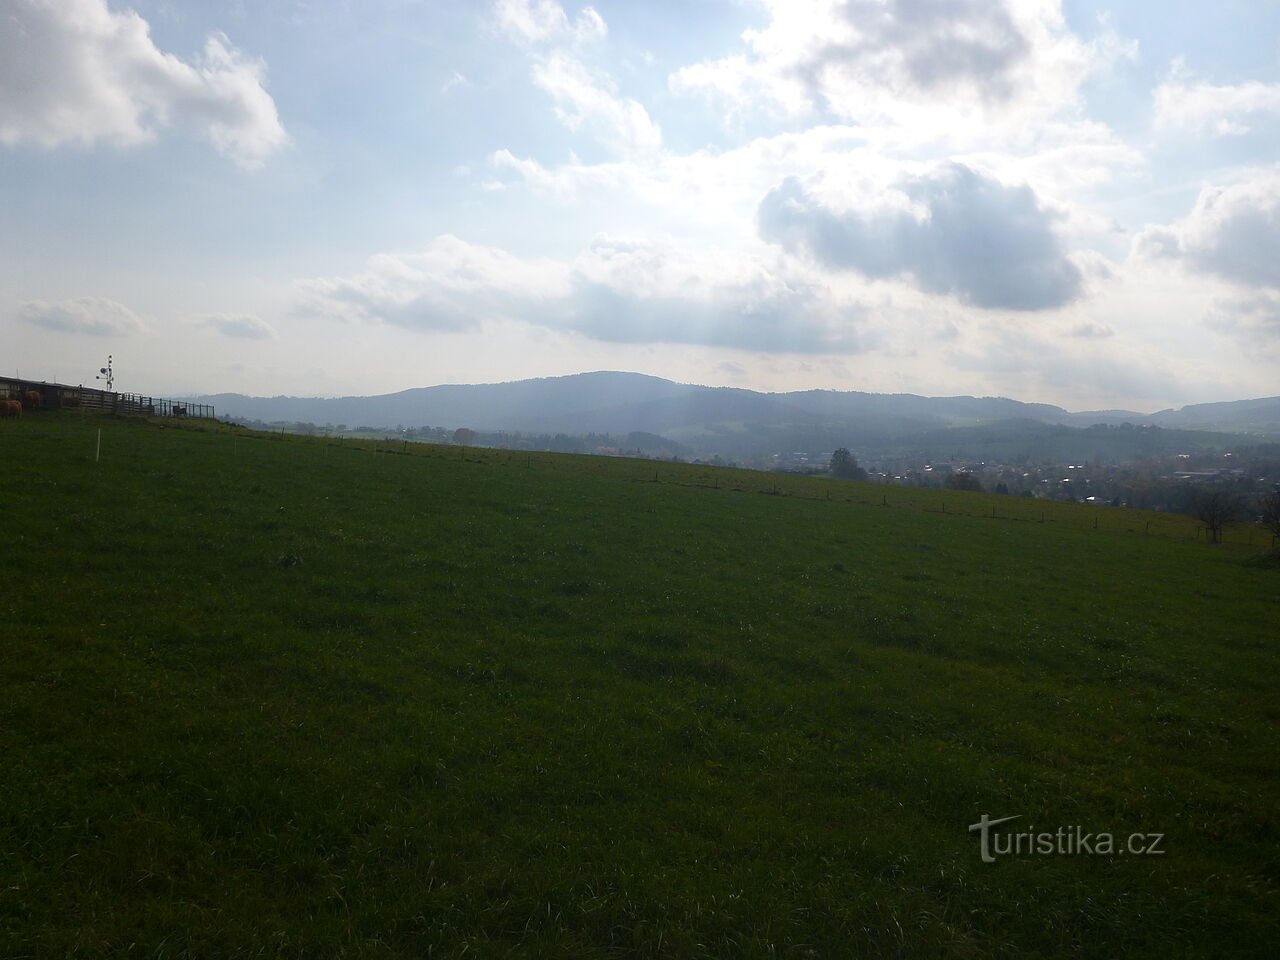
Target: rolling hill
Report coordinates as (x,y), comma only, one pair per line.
(618,402)
(720,420)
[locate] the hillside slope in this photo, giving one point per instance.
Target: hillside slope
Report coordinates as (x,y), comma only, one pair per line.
(289,697)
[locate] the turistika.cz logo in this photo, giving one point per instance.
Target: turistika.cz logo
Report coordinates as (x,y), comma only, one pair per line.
(1063,841)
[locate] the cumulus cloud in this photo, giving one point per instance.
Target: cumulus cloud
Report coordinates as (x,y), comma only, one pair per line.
(94,316)
(878,60)
(714,192)
(452,285)
(646,291)
(589,100)
(1233,232)
(540,21)
(954,231)
(617,290)
(240,326)
(1184,103)
(585,99)
(74,72)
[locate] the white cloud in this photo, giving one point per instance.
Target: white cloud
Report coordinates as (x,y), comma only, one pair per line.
(658,291)
(906,62)
(1233,232)
(456,79)
(1181,102)
(584,99)
(541,21)
(714,193)
(93,316)
(74,72)
(954,231)
(451,285)
(589,100)
(240,326)
(711,194)
(617,290)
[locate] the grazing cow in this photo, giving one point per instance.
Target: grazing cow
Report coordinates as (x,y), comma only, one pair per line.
(10,408)
(32,400)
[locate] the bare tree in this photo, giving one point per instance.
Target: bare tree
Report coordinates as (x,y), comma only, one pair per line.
(1215,509)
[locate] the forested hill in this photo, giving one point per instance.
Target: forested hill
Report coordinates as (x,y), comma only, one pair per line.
(620,403)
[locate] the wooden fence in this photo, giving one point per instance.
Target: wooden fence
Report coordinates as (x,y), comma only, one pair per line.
(56,396)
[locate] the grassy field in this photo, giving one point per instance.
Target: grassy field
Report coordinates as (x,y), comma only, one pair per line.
(266,696)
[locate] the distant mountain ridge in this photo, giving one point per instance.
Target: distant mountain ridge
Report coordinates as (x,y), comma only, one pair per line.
(619,403)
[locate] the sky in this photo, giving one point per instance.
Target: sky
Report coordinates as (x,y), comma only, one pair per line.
(1064,201)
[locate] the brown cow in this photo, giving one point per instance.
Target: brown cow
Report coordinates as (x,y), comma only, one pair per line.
(32,400)
(10,408)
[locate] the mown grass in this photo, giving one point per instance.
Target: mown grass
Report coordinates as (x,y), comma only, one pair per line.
(289,697)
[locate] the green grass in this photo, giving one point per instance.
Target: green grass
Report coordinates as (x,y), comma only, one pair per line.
(289,697)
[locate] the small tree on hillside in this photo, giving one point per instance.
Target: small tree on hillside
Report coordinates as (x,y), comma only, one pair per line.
(464,436)
(1215,509)
(844,466)
(1269,513)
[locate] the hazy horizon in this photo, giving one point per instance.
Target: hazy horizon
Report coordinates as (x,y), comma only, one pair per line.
(716,386)
(1073,203)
